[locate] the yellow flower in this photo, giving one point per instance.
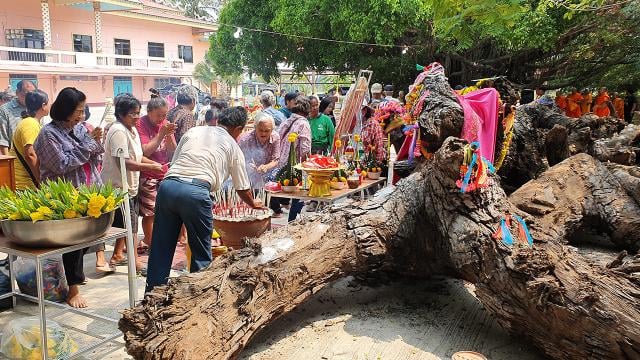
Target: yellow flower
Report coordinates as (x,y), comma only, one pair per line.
(96,203)
(14,216)
(45,211)
(292,137)
(70,214)
(37,216)
(338,143)
(356,137)
(111,204)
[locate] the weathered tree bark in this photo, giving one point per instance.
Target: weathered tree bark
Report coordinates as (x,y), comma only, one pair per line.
(543,137)
(214,313)
(570,305)
(564,303)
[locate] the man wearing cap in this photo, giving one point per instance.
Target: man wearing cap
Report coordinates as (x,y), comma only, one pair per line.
(388,94)
(376,95)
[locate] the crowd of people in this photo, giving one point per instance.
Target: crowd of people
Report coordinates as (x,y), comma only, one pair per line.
(174,159)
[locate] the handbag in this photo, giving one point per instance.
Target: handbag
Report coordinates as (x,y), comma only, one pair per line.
(26,166)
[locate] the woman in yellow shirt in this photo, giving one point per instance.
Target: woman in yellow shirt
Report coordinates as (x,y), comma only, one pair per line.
(28,167)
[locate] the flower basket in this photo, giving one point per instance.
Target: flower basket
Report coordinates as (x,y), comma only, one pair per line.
(56,233)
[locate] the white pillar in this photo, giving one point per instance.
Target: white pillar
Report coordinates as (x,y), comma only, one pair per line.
(46,23)
(97,23)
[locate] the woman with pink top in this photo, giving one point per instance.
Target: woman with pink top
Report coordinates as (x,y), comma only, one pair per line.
(158,144)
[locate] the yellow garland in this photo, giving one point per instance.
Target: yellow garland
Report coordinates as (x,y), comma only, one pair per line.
(506,143)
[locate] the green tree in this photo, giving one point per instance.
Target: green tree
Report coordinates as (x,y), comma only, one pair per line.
(530,41)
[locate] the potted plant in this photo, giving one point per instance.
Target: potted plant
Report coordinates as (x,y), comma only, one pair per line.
(372,165)
(289,177)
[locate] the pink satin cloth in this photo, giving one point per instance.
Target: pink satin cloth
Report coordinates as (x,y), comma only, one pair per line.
(481,119)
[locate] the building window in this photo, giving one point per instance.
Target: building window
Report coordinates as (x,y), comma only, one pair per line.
(122,47)
(156,49)
(160,83)
(26,39)
(185,53)
(82,43)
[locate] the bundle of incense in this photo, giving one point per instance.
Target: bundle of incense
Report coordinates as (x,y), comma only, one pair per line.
(229,205)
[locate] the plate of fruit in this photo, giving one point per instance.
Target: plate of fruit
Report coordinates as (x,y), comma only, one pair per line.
(289,186)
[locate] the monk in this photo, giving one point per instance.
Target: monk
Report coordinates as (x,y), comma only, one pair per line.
(618,105)
(587,99)
(561,101)
(574,101)
(602,105)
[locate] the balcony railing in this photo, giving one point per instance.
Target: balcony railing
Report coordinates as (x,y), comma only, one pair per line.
(38,57)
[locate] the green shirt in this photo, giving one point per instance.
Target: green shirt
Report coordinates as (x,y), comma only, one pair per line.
(322,131)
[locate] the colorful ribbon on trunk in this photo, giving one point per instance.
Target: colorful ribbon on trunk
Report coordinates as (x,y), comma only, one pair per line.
(503,232)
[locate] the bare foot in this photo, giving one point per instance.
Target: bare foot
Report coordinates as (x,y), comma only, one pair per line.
(74,299)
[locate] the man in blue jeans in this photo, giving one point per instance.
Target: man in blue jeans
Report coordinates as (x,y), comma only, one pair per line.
(205,157)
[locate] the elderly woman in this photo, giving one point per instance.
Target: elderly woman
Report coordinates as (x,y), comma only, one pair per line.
(268,101)
(63,147)
(261,149)
(124,135)
(182,115)
(296,123)
(158,144)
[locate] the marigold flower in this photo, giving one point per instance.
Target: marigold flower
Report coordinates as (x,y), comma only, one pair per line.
(338,143)
(70,214)
(356,137)
(44,210)
(292,137)
(96,203)
(111,204)
(37,216)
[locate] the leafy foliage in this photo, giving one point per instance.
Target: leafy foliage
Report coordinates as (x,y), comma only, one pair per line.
(533,42)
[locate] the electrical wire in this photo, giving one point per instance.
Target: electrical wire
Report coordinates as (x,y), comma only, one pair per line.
(317,38)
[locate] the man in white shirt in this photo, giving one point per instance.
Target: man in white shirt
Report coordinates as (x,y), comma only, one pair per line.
(205,157)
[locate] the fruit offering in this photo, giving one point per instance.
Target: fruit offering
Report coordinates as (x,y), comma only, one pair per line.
(320,162)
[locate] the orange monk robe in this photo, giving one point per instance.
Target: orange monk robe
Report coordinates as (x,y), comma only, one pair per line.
(561,101)
(573,105)
(618,105)
(601,108)
(585,105)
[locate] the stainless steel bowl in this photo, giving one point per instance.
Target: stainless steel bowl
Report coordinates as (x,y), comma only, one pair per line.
(55,233)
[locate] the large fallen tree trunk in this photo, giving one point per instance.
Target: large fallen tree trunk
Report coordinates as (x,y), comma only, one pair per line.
(566,304)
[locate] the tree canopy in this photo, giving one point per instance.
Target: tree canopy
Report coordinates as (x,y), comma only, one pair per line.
(532,42)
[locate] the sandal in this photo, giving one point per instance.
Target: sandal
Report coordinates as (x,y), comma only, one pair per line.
(120,262)
(106,268)
(142,272)
(143,250)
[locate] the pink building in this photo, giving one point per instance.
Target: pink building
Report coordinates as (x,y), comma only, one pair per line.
(102,47)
